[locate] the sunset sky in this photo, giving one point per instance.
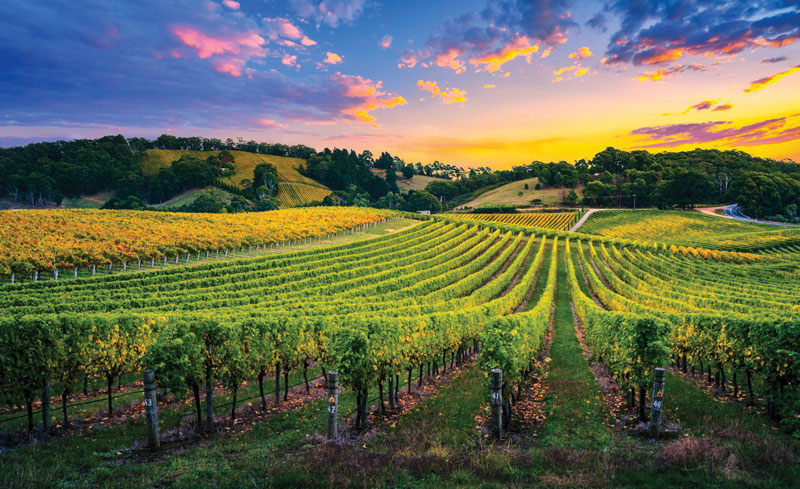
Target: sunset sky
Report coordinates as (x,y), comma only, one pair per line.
(470,82)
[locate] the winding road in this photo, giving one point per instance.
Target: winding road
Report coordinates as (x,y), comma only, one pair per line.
(734,211)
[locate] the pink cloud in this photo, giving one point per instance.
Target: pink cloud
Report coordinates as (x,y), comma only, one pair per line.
(271,123)
(231,66)
(207,46)
(289,60)
(231,4)
(364,97)
(287,29)
(385,42)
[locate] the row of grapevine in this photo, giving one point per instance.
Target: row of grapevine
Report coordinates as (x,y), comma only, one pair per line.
(369,309)
(296,194)
(723,316)
(561,221)
(33,241)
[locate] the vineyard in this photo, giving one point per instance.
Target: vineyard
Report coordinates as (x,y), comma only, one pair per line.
(381,311)
(692,229)
(38,242)
(561,221)
(297,194)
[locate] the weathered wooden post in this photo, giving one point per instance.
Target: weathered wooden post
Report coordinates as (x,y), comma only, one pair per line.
(658,396)
(151,410)
(497,402)
(333,403)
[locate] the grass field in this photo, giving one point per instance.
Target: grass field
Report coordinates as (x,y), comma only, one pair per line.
(244,163)
(509,194)
(291,194)
(417,182)
(191,195)
(87,201)
(689,228)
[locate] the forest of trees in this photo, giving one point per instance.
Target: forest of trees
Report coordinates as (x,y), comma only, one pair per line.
(47,172)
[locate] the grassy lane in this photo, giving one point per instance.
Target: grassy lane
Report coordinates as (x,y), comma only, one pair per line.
(576,413)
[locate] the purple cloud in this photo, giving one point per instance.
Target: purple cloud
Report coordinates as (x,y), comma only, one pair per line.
(660,32)
(769,131)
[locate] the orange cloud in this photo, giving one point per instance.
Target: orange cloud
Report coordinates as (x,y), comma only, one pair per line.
(207,46)
(722,107)
(581,53)
(563,70)
(367,96)
(581,71)
(332,58)
(663,56)
(493,61)
(446,96)
(769,80)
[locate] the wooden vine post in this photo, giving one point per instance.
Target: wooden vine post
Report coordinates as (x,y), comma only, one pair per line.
(151,410)
(658,396)
(497,402)
(333,403)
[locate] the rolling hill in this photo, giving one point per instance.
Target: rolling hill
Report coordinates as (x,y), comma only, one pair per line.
(294,188)
(509,194)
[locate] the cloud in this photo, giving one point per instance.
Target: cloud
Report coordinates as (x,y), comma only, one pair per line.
(206,45)
(330,12)
(289,60)
(563,70)
(494,60)
(231,4)
(653,33)
(661,73)
(141,76)
(500,33)
(332,58)
(365,96)
(769,131)
(385,42)
(711,105)
(271,123)
(769,80)
(285,32)
(598,22)
(581,53)
(448,97)
(776,59)
(581,71)
(489,85)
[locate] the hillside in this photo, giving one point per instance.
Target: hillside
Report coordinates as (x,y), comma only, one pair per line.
(417,182)
(295,189)
(509,194)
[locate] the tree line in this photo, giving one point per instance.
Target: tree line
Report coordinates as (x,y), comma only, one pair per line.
(47,172)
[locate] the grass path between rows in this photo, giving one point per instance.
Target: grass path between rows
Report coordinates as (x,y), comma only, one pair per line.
(576,412)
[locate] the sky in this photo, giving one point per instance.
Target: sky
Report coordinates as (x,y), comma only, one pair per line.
(471,82)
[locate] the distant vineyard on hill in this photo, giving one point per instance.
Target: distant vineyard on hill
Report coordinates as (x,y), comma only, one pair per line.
(292,194)
(557,220)
(294,189)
